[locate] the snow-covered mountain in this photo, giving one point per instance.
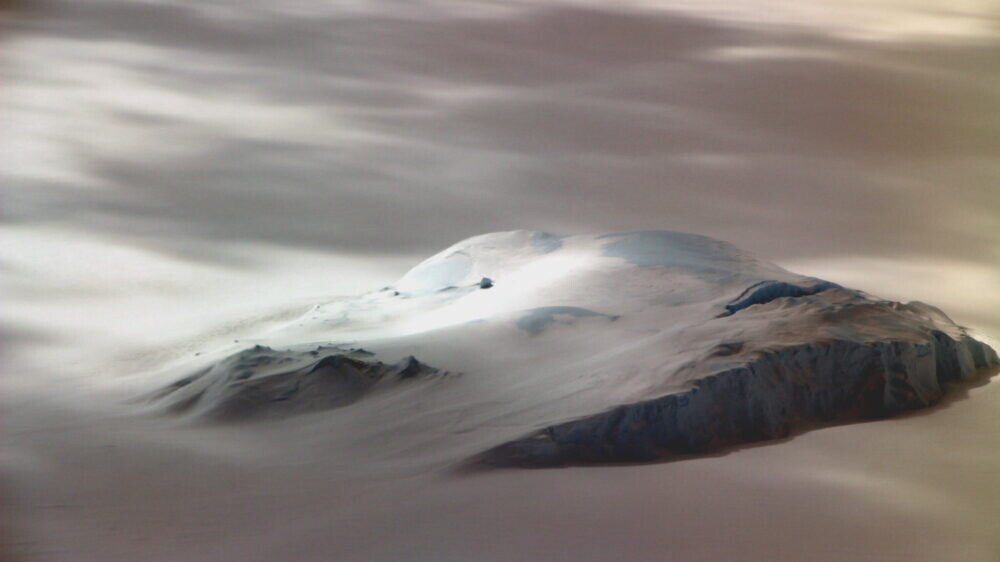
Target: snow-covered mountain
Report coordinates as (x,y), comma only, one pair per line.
(531,349)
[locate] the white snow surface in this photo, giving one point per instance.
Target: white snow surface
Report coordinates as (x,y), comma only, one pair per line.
(566,332)
(572,326)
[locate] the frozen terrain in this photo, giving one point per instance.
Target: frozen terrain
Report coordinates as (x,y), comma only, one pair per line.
(346,429)
(176,176)
(617,347)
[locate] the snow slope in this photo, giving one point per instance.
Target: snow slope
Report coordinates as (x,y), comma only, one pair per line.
(624,346)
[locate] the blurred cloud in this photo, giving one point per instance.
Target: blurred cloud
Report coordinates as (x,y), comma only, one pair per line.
(385,131)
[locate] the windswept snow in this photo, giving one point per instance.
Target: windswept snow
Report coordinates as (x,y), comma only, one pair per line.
(627,346)
(345,426)
(538,319)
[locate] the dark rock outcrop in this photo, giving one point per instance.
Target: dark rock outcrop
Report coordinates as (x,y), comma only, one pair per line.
(264,383)
(761,399)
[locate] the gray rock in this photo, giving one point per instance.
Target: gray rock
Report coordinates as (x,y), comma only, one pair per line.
(263,383)
(761,399)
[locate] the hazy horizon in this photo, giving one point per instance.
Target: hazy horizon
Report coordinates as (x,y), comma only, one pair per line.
(176,174)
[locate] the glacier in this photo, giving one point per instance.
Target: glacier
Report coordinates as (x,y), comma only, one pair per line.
(622,347)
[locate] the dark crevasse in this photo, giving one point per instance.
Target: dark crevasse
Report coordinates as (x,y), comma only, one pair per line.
(762,399)
(766,291)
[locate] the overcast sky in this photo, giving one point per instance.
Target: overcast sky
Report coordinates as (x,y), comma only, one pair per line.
(824,135)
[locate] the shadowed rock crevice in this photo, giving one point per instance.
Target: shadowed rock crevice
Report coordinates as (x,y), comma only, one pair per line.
(767,291)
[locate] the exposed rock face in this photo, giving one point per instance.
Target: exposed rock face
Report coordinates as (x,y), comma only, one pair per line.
(761,399)
(263,383)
